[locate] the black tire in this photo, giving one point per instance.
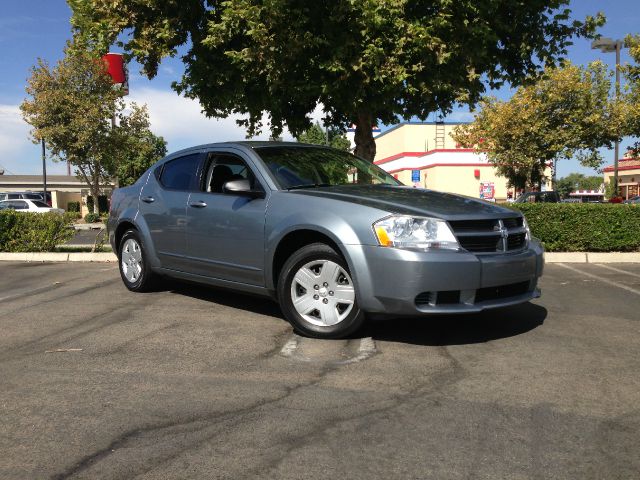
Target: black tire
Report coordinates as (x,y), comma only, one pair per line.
(146,280)
(310,253)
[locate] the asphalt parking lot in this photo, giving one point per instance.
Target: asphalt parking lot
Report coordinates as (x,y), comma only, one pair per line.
(189,382)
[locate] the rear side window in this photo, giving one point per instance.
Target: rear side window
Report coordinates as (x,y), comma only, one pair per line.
(40,204)
(180,174)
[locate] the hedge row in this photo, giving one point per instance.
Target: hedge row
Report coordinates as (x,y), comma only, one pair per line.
(33,232)
(595,227)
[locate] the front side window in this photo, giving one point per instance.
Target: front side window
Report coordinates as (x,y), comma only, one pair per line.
(20,205)
(299,167)
(180,174)
(223,168)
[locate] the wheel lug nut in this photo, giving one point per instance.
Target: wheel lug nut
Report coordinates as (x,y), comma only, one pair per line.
(316,297)
(316,287)
(324,300)
(325,284)
(331,293)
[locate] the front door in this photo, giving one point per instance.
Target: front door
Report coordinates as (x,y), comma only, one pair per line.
(225,231)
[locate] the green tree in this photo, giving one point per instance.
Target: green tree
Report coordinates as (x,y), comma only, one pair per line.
(365,62)
(317,136)
(71,105)
(632,97)
(135,147)
(568,113)
(577,181)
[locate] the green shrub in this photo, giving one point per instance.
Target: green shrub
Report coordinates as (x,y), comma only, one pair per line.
(33,232)
(592,227)
(91,217)
(73,207)
(103,204)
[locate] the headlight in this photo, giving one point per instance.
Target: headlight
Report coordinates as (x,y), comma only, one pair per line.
(526,226)
(418,233)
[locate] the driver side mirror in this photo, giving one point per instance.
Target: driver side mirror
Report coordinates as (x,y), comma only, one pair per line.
(242,187)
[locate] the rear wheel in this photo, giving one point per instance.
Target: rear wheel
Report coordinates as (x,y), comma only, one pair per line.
(135,273)
(317,294)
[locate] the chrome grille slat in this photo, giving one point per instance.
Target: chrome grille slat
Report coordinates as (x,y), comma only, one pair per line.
(490,236)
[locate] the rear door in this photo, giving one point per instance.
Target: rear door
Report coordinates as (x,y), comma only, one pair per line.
(225,232)
(163,205)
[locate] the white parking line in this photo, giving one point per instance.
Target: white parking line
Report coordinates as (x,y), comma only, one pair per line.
(367,349)
(603,280)
(291,346)
(617,270)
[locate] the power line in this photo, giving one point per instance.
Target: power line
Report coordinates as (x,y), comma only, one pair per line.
(6,170)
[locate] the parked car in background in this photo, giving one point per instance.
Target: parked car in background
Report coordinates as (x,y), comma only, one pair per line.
(24,205)
(21,195)
(537,197)
(635,199)
(332,237)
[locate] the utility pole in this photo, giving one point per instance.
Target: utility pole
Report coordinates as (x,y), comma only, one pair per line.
(44,170)
(608,45)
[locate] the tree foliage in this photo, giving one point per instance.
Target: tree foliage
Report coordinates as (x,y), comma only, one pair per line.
(577,181)
(332,137)
(365,61)
(632,97)
(567,113)
(71,106)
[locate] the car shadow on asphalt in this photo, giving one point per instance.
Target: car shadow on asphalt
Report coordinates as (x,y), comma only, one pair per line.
(438,330)
(228,298)
(458,329)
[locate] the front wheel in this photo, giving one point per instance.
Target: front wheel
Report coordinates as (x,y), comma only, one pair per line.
(317,294)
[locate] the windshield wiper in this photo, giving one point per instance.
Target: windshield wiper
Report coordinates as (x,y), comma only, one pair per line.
(309,185)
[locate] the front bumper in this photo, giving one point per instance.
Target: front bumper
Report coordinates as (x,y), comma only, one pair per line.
(402,282)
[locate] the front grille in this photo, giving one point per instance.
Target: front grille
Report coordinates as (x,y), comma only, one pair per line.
(460,226)
(516,241)
(491,235)
(503,291)
(489,243)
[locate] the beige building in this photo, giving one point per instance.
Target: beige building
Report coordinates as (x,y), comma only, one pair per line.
(628,176)
(426,156)
(63,188)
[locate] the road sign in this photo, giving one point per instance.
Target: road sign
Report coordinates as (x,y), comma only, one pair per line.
(415,176)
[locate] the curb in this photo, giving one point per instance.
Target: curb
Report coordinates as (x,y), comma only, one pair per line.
(58,257)
(592,257)
(89,226)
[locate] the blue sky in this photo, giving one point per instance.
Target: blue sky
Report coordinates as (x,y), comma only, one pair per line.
(39,28)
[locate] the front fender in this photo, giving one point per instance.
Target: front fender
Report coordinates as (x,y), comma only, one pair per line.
(328,224)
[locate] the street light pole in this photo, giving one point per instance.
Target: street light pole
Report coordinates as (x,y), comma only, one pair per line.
(44,171)
(608,45)
(617,144)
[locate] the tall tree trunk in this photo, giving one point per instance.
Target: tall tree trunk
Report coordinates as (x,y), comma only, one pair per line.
(365,144)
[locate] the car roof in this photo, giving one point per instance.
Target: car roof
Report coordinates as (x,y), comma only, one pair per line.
(246,144)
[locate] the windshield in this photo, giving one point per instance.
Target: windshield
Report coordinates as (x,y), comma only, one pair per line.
(307,167)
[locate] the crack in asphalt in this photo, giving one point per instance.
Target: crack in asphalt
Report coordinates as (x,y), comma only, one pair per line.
(35,346)
(449,376)
(209,421)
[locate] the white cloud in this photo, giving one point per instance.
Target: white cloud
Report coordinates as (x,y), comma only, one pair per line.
(17,153)
(181,122)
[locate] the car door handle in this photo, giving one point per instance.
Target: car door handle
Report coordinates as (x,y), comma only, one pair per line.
(198,204)
(148,199)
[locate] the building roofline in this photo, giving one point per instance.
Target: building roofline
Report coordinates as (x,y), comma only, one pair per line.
(402,124)
(423,154)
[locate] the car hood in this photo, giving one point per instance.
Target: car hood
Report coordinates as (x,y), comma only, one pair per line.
(411,201)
